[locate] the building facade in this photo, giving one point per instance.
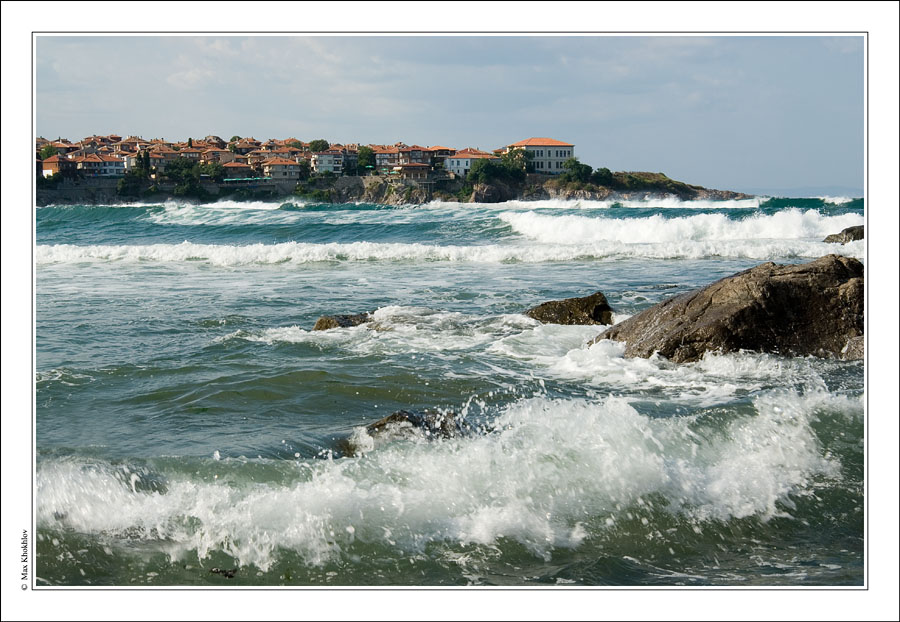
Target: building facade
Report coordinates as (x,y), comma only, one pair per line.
(547,154)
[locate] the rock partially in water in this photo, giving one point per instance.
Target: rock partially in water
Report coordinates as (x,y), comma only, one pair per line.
(327,322)
(593,309)
(849,234)
(815,309)
(404,424)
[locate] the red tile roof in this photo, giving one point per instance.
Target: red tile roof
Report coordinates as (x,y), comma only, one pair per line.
(541,142)
(278,162)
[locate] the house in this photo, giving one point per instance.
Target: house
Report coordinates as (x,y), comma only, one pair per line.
(191,154)
(236,170)
(413,170)
(415,154)
(95,165)
(331,160)
(548,154)
(281,169)
(461,162)
(245,146)
(386,158)
(440,154)
(222,156)
(215,142)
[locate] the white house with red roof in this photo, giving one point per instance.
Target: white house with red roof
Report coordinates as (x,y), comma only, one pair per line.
(547,154)
(461,162)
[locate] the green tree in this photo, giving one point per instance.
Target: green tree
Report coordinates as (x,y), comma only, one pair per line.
(484,171)
(305,169)
(296,144)
(320,144)
(215,171)
(366,160)
(183,171)
(131,184)
(518,159)
(47,151)
(602,177)
(190,143)
(576,171)
(234,139)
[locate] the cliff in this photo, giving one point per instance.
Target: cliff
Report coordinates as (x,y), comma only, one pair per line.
(393,191)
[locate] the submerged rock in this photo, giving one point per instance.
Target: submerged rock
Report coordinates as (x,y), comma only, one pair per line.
(403,424)
(849,234)
(815,309)
(341,321)
(593,309)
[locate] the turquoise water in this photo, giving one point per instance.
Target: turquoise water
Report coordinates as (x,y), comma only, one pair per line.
(188,419)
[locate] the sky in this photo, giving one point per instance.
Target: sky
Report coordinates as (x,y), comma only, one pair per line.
(758,114)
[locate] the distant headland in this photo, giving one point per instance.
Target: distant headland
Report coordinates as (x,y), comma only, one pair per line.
(105,169)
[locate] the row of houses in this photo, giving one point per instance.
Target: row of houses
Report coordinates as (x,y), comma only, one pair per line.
(283,160)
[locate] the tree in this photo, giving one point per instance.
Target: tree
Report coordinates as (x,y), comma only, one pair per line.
(576,171)
(47,151)
(215,171)
(190,143)
(518,159)
(320,144)
(602,177)
(484,171)
(296,144)
(305,169)
(366,160)
(182,171)
(234,139)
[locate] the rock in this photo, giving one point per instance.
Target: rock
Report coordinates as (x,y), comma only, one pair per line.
(855,349)
(486,193)
(593,309)
(847,235)
(403,424)
(815,309)
(225,572)
(341,321)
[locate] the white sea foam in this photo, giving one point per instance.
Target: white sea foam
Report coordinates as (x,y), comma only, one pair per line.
(836,200)
(553,474)
(400,330)
(668,201)
(560,352)
(790,224)
(303,253)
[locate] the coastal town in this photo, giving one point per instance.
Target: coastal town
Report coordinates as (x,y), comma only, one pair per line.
(284,160)
(106,168)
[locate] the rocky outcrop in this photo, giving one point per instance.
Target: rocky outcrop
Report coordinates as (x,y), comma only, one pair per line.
(403,424)
(593,309)
(327,322)
(849,234)
(815,309)
(494,192)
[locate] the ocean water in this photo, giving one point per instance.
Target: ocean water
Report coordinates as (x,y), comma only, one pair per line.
(189,421)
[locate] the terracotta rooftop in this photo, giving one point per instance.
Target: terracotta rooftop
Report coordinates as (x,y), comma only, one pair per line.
(541,142)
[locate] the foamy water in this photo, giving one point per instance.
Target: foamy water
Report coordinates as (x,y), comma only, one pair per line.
(188,418)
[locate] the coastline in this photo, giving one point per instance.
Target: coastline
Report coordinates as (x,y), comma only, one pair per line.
(383,190)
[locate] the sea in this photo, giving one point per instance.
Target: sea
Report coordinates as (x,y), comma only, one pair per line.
(191,427)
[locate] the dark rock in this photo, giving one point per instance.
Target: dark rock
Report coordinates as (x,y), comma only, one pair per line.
(487,193)
(225,572)
(806,309)
(404,424)
(593,309)
(341,321)
(849,234)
